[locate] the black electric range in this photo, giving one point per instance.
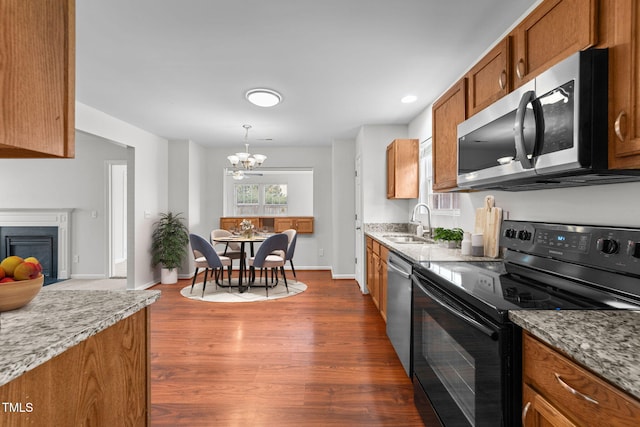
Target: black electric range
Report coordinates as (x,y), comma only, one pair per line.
(548,267)
(462,339)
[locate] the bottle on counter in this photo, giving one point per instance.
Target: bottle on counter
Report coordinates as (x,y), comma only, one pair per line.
(465,245)
(419,230)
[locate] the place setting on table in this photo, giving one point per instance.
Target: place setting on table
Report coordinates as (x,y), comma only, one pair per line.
(272,254)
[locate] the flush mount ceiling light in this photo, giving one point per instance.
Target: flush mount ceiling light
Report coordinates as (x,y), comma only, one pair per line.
(245,160)
(263,97)
(409,99)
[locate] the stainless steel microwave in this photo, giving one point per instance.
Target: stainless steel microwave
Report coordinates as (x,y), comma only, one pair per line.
(550,132)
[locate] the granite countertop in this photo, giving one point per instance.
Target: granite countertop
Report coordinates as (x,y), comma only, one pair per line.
(56,320)
(605,342)
(416,252)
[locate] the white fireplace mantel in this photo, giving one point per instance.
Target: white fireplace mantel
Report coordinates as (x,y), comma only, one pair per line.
(60,218)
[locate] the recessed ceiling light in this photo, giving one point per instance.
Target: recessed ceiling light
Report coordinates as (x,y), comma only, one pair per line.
(409,99)
(263,97)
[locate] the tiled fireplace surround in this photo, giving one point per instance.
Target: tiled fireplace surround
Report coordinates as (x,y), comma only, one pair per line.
(60,218)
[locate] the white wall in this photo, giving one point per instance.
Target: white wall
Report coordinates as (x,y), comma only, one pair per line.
(147,187)
(343,211)
(309,246)
(78,183)
(371,146)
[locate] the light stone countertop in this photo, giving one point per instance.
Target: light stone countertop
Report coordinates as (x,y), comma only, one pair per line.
(56,320)
(416,252)
(605,342)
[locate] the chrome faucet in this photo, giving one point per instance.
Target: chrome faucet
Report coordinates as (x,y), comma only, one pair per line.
(413,216)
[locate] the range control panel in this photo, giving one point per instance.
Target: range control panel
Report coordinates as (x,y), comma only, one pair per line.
(612,248)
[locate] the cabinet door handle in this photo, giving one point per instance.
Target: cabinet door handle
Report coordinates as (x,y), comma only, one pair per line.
(617,125)
(502,80)
(525,410)
(573,390)
(520,69)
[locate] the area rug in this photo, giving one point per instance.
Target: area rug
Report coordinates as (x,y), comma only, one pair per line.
(254,294)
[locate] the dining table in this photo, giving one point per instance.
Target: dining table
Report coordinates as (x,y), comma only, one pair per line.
(243,240)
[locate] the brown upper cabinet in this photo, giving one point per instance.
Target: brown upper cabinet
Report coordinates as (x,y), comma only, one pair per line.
(552,32)
(490,79)
(448,111)
(624,70)
(403,173)
(37,90)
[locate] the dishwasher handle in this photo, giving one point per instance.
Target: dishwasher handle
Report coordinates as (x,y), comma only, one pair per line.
(403,273)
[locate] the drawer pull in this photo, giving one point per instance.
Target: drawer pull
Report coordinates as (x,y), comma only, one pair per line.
(524,412)
(573,390)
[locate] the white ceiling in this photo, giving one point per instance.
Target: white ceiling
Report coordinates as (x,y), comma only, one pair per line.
(180,68)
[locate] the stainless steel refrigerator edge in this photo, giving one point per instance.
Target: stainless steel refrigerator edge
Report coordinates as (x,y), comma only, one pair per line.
(399,308)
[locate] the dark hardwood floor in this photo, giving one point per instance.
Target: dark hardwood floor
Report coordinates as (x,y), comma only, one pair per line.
(317,359)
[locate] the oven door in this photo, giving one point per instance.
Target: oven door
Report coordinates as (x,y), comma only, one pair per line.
(462,362)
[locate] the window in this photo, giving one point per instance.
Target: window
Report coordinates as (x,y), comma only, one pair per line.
(275,199)
(440,203)
(260,199)
(246,201)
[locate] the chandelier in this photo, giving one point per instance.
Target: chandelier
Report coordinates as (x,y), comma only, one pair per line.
(245,160)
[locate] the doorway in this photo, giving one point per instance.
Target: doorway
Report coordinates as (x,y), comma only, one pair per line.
(117,222)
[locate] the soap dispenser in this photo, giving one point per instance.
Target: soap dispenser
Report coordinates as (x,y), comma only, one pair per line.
(419,230)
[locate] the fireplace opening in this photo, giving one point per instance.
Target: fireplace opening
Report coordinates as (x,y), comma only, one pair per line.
(39,242)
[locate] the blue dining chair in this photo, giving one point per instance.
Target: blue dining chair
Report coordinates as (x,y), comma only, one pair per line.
(265,259)
(205,256)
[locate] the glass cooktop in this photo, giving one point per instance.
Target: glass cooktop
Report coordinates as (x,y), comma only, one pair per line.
(490,286)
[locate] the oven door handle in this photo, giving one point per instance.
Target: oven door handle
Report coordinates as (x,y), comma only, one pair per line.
(473,322)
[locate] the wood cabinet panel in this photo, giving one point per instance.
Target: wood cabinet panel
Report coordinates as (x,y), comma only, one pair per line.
(593,401)
(553,31)
(103,381)
(448,111)
(403,174)
(377,255)
(382,293)
(624,86)
(302,224)
(538,412)
(37,78)
(490,78)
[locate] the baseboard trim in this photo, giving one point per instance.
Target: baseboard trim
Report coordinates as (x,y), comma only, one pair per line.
(342,276)
(88,276)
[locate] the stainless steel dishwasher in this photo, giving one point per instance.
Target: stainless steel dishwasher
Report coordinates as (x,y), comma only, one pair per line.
(399,308)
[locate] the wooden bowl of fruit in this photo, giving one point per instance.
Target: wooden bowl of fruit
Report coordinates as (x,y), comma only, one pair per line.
(20,281)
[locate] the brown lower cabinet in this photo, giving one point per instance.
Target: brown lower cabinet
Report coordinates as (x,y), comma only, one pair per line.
(278,224)
(103,381)
(377,255)
(559,392)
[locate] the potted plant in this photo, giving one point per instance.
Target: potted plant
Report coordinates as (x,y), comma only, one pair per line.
(169,245)
(450,236)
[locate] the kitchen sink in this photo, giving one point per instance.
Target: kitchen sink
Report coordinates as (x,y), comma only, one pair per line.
(408,238)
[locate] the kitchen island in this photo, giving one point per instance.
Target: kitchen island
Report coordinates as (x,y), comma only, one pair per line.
(76,357)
